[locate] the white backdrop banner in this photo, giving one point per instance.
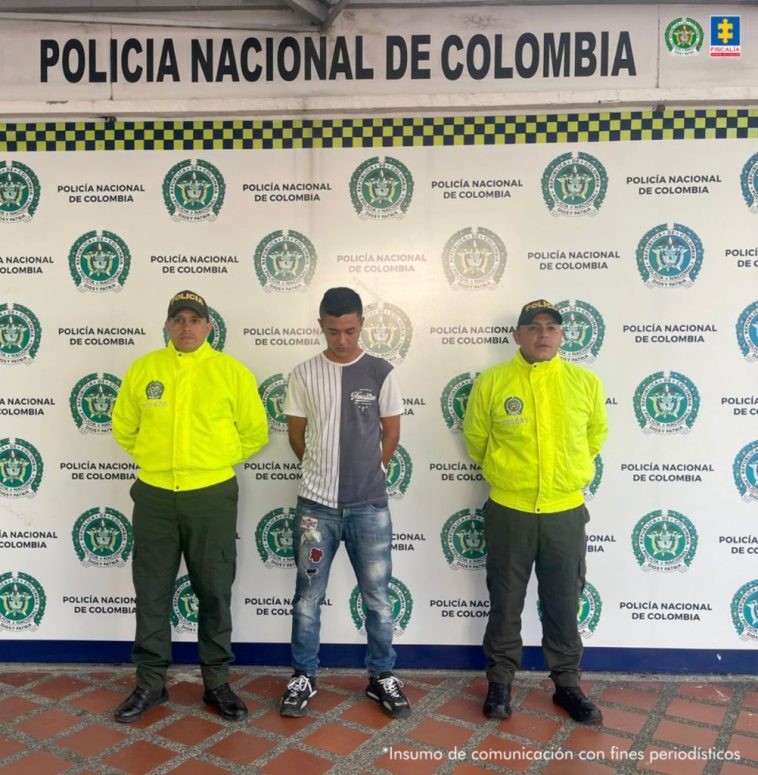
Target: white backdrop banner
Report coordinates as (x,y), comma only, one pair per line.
(641,226)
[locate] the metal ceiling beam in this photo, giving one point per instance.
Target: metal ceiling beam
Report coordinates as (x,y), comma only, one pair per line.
(307,14)
(185,23)
(334,12)
(311,9)
(317,11)
(313,13)
(136,6)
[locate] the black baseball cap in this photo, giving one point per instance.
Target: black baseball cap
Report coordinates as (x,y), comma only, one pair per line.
(533,308)
(188,300)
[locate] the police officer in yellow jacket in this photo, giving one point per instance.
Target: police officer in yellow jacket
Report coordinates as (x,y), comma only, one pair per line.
(535,425)
(186,414)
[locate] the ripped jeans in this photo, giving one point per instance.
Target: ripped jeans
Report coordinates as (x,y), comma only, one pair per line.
(367,533)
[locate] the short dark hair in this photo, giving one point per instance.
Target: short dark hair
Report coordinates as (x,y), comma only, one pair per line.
(340,301)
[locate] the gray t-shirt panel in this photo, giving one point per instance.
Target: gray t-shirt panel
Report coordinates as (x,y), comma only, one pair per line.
(343,404)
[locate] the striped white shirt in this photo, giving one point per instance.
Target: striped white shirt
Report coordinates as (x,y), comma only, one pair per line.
(343,404)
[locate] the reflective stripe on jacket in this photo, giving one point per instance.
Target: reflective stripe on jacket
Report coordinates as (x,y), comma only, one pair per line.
(187,418)
(535,428)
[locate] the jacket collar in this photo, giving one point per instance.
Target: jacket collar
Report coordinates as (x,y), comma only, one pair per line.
(202,352)
(553,364)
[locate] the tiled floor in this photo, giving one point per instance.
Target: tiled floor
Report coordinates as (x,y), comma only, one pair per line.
(59,719)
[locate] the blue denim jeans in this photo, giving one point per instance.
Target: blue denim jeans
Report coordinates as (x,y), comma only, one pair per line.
(367,533)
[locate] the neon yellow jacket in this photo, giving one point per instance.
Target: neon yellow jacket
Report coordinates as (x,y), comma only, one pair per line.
(187,418)
(535,428)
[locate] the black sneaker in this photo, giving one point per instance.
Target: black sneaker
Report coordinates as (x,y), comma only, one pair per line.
(497,704)
(574,702)
(300,689)
(385,689)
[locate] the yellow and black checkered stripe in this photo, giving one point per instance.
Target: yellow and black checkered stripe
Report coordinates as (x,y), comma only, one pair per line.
(385,132)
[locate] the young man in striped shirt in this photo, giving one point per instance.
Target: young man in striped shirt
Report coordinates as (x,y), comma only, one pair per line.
(343,416)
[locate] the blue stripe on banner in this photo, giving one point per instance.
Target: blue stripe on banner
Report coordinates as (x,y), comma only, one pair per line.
(616,660)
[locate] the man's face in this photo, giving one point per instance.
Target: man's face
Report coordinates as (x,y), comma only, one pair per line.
(342,334)
(541,339)
(187,330)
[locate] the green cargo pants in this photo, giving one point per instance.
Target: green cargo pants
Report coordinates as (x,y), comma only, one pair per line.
(201,526)
(555,544)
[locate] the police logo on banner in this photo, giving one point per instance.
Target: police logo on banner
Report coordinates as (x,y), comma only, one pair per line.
(92,401)
(273,393)
(285,260)
(590,608)
(274,538)
(20,334)
(591,489)
(399,471)
(193,190)
(669,256)
(588,614)
(666,402)
(749,183)
(99,261)
(664,540)
(401,603)
(185,606)
(745,610)
(454,399)
(20,469)
(574,184)
(381,188)
(22,602)
(463,541)
(217,335)
(684,36)
(19,192)
(102,538)
(583,331)
(386,332)
(745,470)
(474,258)
(747,332)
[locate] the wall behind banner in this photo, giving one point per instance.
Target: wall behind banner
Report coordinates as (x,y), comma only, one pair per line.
(445,226)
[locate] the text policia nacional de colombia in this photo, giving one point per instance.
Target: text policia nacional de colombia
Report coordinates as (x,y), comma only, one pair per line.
(340,57)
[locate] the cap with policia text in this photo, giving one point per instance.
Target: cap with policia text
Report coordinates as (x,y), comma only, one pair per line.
(533,308)
(188,300)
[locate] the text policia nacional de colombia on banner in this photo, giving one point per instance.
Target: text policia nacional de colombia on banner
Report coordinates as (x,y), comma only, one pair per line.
(285,59)
(366,53)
